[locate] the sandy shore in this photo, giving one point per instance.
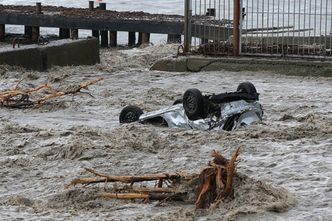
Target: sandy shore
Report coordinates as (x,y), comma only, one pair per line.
(284,167)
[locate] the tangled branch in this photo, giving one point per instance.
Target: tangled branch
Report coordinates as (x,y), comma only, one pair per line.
(30,97)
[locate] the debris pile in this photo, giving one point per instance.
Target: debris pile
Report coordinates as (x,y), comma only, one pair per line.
(34,97)
(215,183)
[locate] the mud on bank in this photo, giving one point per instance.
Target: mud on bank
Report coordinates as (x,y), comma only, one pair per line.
(284,166)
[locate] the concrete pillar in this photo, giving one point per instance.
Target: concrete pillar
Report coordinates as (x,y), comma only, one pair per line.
(28,31)
(140,38)
(113,39)
(146,38)
(64,33)
(74,33)
(173,38)
(35,32)
(131,39)
(2,32)
(103,34)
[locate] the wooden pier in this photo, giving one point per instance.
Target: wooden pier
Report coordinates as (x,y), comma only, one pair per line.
(103,23)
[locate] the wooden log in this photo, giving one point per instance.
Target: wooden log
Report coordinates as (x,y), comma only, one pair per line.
(146,196)
(125,195)
(132,179)
(144,189)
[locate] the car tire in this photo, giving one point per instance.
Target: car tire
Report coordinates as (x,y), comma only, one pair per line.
(130,114)
(247,87)
(193,104)
(177,101)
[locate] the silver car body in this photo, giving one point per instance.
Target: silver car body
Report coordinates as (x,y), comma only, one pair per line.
(175,116)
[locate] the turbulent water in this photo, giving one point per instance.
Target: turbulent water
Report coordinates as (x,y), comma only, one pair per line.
(284,169)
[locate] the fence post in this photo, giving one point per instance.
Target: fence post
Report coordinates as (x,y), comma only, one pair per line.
(187,25)
(236,28)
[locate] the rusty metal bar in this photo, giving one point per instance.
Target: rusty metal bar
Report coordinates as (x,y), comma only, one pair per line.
(187,26)
(236,28)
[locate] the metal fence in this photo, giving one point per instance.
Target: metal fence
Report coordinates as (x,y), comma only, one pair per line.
(267,27)
(212,26)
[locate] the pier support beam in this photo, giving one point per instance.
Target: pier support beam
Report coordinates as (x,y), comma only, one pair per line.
(74,33)
(28,31)
(131,39)
(173,38)
(103,34)
(113,39)
(143,38)
(2,32)
(104,39)
(35,32)
(95,33)
(64,33)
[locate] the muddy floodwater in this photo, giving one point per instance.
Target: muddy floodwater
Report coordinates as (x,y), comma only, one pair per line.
(284,168)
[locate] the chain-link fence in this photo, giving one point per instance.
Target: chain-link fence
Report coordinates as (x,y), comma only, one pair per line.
(300,28)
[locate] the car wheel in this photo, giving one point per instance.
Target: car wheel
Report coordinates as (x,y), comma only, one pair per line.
(130,114)
(193,104)
(247,87)
(177,101)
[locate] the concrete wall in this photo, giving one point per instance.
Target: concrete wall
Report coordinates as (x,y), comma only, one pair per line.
(60,53)
(279,66)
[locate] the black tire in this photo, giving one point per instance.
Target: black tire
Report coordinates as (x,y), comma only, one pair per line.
(177,101)
(130,114)
(247,87)
(193,104)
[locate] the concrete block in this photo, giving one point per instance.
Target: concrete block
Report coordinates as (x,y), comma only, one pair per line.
(71,52)
(29,58)
(171,64)
(60,53)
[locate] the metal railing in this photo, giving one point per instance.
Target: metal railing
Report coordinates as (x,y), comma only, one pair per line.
(288,28)
(212,26)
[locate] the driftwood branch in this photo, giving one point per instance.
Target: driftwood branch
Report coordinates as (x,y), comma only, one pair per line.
(215,183)
(29,97)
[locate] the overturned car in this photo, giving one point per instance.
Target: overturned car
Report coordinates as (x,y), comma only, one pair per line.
(226,111)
